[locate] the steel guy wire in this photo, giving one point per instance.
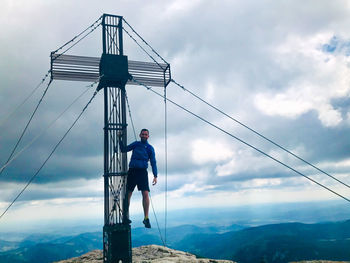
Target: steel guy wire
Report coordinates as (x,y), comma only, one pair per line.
(237,121)
(143,49)
(44,130)
(54,149)
(145,42)
(240,140)
(73,39)
(25,128)
(132,122)
(27,98)
(92,30)
(259,134)
(166,163)
(155,216)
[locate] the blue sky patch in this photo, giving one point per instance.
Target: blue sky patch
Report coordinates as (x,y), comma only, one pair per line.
(337,45)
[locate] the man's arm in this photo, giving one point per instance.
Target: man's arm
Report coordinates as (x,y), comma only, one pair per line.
(126,148)
(153,162)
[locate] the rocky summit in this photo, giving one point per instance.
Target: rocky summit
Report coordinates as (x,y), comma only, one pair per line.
(148,254)
(160,254)
(319,261)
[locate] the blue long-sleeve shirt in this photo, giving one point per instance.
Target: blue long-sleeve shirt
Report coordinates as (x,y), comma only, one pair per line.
(141,153)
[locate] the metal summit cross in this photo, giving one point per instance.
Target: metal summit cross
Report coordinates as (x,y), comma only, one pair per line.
(113,71)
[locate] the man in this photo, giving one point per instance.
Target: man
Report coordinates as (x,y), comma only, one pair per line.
(142,152)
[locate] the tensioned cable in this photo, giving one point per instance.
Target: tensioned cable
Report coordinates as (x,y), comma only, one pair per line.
(27,98)
(154,213)
(25,128)
(144,41)
(240,140)
(132,122)
(74,38)
(92,30)
(155,216)
(259,134)
(144,49)
(165,117)
(44,130)
(166,163)
(54,149)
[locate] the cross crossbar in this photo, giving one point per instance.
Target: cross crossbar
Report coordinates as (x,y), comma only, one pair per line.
(81,68)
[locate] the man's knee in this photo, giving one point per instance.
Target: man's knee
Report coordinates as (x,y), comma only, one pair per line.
(145,194)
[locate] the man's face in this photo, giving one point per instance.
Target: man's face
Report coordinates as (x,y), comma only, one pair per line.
(144,136)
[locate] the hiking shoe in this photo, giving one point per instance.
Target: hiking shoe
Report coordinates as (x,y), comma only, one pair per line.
(147,223)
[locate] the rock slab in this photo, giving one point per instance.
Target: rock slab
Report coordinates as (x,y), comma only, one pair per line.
(319,261)
(148,254)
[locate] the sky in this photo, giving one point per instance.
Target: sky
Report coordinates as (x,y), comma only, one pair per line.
(280,67)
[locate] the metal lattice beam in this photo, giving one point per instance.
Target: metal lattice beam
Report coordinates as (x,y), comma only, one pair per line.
(80,68)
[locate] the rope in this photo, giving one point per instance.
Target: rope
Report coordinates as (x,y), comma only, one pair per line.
(259,134)
(240,140)
(44,130)
(25,128)
(54,149)
(27,98)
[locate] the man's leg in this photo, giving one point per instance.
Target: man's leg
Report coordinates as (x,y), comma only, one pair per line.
(145,203)
(127,218)
(129,196)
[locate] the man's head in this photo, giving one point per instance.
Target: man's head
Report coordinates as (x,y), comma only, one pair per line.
(144,134)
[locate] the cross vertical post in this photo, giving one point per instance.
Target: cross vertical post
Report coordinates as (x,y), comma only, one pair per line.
(113,78)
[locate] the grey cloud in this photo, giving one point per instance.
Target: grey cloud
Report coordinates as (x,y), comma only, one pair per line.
(232,48)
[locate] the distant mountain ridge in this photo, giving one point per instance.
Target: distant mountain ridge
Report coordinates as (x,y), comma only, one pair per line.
(52,248)
(276,243)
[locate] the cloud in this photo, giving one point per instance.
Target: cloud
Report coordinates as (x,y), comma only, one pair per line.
(204,151)
(281,70)
(324,78)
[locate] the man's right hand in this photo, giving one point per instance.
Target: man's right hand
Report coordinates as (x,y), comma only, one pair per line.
(154,181)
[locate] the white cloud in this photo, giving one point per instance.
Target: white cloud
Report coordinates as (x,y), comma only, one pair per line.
(262,183)
(321,77)
(329,116)
(282,104)
(181,6)
(205,151)
(247,161)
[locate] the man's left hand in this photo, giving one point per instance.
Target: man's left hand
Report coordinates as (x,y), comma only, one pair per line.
(154,181)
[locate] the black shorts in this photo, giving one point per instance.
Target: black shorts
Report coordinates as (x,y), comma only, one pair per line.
(139,177)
